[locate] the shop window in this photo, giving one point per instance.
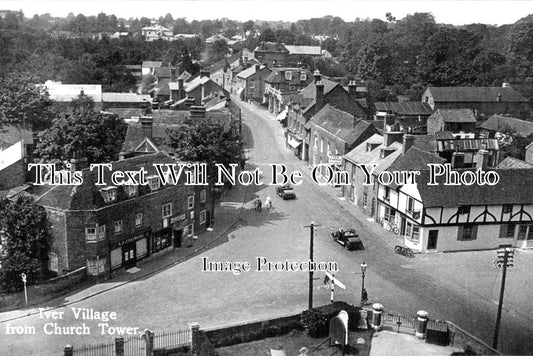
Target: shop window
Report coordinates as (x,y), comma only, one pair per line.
(467,232)
(202,217)
(203,195)
(109,194)
(166,210)
(138,219)
(190,202)
(118,226)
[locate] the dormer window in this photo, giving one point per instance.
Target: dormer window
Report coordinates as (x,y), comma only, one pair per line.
(131,190)
(154,182)
(303,77)
(109,194)
(288,75)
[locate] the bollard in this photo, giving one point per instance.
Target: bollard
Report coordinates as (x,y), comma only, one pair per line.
(68,351)
(421,324)
(377,309)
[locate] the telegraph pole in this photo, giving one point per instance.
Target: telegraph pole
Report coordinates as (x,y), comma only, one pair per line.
(312,235)
(505,259)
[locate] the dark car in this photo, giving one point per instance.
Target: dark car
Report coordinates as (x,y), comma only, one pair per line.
(348,238)
(285,192)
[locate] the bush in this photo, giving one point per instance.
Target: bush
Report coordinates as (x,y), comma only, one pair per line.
(317,320)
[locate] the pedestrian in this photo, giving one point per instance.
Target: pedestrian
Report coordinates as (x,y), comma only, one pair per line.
(258,204)
(268,203)
(364,296)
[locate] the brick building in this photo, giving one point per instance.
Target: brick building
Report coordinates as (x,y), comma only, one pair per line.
(107,227)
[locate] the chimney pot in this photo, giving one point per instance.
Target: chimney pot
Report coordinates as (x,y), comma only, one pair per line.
(147,126)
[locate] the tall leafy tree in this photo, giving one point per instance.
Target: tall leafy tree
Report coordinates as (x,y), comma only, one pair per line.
(98,136)
(24,245)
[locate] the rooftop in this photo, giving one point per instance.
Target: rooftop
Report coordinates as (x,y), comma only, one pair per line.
(454,115)
(475,94)
(405,107)
(502,124)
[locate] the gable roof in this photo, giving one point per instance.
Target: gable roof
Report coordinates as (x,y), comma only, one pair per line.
(361,155)
(340,124)
(151,64)
(454,115)
(405,107)
(163,72)
(304,50)
(271,47)
(514,163)
(222,63)
(67,92)
(195,83)
(414,159)
(509,190)
(499,123)
(247,73)
(475,94)
(125,98)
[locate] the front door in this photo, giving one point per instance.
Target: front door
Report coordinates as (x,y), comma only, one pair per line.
(129,256)
(178,236)
(432,239)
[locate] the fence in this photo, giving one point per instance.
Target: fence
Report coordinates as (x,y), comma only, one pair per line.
(133,346)
(400,322)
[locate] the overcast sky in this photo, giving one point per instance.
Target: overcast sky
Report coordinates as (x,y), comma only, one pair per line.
(495,12)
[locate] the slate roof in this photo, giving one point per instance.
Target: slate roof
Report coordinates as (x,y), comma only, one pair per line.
(509,190)
(340,124)
(414,159)
(304,50)
(361,155)
(277,78)
(87,196)
(514,163)
(195,83)
(222,63)
(247,73)
(405,107)
(499,123)
(467,144)
(385,163)
(475,94)
(162,87)
(454,115)
(425,143)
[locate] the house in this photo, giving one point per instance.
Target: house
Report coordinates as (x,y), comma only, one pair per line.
(218,37)
(271,54)
(298,53)
(16,151)
(221,73)
(497,125)
(108,227)
(125,100)
(185,36)
(282,84)
(481,100)
(135,70)
(465,217)
(310,101)
(148,67)
(199,90)
(251,82)
(410,116)
(156,32)
(452,120)
(63,94)
(334,133)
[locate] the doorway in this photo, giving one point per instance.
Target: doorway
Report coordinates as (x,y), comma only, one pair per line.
(129,256)
(432,239)
(178,238)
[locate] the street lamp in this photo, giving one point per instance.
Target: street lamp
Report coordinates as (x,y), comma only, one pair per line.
(364,296)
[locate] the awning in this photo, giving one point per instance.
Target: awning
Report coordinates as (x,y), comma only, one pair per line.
(294,143)
(282,115)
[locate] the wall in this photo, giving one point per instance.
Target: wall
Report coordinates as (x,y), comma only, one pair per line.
(13,176)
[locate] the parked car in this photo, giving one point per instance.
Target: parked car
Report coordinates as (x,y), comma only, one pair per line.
(348,238)
(285,192)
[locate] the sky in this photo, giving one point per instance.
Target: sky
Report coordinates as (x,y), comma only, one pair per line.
(492,12)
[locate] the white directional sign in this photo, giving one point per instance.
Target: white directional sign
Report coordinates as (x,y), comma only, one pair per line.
(335,280)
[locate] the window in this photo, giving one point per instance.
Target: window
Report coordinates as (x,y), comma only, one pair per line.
(507,208)
(463,209)
(467,232)
(166,210)
(109,194)
(321,145)
(100,231)
(96,267)
(410,204)
(288,75)
(329,149)
(203,194)
(154,182)
(118,226)
(192,215)
(507,230)
(390,214)
(90,234)
(131,190)
(190,202)
(365,200)
(416,233)
(303,77)
(53,263)
(386,196)
(316,142)
(190,230)
(202,217)
(138,219)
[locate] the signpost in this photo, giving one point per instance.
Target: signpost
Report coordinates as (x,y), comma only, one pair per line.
(331,277)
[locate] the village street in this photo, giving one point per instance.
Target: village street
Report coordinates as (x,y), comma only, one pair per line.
(459,287)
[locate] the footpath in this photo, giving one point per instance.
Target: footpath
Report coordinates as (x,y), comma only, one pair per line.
(227,212)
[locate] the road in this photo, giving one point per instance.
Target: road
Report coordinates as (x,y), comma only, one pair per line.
(450,286)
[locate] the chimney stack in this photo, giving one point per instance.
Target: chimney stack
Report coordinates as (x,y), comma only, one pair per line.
(181,90)
(78,161)
(317,76)
(197,112)
(352,89)
(173,76)
(408,142)
(458,160)
(204,73)
(147,126)
(319,98)
(482,159)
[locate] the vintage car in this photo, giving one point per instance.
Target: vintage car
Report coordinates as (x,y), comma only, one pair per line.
(348,238)
(285,192)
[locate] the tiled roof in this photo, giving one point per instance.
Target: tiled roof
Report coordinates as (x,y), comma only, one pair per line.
(413,160)
(475,94)
(162,87)
(247,73)
(405,107)
(499,123)
(384,163)
(425,143)
(222,63)
(514,163)
(362,155)
(304,50)
(340,124)
(509,190)
(310,90)
(454,115)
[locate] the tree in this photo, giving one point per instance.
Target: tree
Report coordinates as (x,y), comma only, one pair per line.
(98,136)
(24,245)
(22,102)
(217,51)
(267,35)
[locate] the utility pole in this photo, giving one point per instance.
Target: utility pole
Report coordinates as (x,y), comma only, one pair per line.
(312,230)
(505,259)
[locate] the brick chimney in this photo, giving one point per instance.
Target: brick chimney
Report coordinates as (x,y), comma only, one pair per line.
(317,76)
(408,142)
(352,89)
(390,137)
(147,126)
(458,160)
(197,112)
(78,161)
(319,98)
(173,74)
(482,159)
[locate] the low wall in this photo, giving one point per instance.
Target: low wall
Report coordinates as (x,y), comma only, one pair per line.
(465,340)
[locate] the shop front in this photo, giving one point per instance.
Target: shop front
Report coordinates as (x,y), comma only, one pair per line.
(127,252)
(178,225)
